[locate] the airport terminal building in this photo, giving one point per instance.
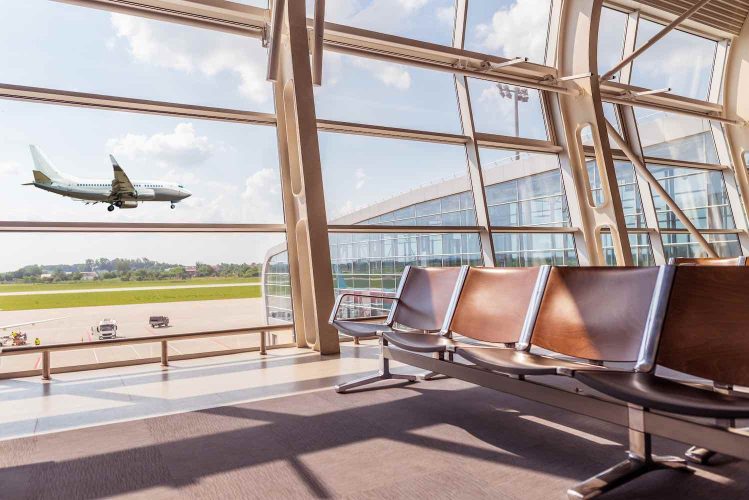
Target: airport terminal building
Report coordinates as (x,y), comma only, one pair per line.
(522,190)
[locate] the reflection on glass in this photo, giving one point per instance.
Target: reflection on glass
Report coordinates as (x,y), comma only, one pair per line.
(91,50)
(198,282)
(628,191)
(375,261)
(676,137)
(639,244)
(523,189)
(534,249)
(509,28)
(701,195)
(507,110)
(680,61)
(611,39)
(367,177)
(212,171)
(683,245)
(362,90)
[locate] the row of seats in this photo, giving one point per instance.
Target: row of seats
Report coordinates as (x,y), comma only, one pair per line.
(577,321)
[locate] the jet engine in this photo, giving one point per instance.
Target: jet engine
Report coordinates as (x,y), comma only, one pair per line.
(128,204)
(145,194)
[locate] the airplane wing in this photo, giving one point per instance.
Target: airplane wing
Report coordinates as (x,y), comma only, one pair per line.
(5,327)
(121,183)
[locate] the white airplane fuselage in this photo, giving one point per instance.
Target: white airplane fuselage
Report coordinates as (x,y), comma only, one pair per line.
(101,190)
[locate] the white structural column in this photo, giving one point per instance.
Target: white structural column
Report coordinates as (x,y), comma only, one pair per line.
(301,176)
(472,150)
(732,151)
(577,54)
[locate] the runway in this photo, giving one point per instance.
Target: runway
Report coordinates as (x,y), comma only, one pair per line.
(79,324)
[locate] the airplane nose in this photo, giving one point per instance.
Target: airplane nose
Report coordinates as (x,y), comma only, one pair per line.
(185,193)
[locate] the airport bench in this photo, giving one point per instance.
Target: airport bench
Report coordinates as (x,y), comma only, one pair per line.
(420,305)
(586,318)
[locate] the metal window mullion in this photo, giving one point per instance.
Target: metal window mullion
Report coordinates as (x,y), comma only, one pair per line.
(723,150)
(475,174)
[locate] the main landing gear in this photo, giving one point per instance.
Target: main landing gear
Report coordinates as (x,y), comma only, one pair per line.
(110,208)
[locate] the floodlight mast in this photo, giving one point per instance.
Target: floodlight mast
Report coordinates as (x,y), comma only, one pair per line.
(517,94)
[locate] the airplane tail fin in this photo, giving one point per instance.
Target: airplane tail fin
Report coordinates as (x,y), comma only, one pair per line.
(44,172)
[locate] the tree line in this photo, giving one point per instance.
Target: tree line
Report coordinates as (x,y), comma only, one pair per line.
(142,269)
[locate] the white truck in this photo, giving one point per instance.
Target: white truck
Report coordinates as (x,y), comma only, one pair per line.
(107,329)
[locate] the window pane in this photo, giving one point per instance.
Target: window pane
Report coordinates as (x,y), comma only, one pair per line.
(91,50)
(375,261)
(396,182)
(676,137)
(523,189)
(611,39)
(509,28)
(429,21)
(681,61)
(609,112)
(362,90)
(529,249)
(642,254)
(507,110)
(200,282)
(628,191)
(211,171)
(701,194)
(683,245)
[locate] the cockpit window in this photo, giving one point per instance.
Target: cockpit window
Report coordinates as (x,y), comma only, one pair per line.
(181,186)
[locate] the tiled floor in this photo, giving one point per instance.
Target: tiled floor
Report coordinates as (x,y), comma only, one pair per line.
(31,406)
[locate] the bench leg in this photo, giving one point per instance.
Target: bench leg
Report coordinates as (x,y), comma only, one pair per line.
(702,456)
(640,460)
(383,374)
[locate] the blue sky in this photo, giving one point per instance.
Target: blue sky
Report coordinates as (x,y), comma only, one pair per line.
(232,169)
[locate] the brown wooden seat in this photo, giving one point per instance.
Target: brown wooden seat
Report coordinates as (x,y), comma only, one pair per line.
(704,334)
(698,454)
(591,314)
(705,261)
(490,306)
(421,304)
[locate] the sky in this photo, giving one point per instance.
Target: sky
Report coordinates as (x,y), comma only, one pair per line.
(232,169)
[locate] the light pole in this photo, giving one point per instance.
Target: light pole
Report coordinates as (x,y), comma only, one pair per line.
(517,94)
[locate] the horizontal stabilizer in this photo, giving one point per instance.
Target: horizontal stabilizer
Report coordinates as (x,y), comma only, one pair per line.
(41,178)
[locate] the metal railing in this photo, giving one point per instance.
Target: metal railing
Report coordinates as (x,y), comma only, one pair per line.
(164,339)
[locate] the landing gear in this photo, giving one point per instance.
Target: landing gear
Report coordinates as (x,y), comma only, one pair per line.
(110,208)
(118,204)
(173,205)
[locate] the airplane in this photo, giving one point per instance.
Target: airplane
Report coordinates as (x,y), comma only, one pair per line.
(119,192)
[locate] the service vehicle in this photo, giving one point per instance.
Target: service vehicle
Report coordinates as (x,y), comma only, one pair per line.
(158,321)
(107,329)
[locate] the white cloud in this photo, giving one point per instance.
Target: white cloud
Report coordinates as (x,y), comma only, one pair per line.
(412,5)
(171,46)
(261,195)
(446,14)
(361,178)
(519,31)
(392,75)
(9,168)
(183,146)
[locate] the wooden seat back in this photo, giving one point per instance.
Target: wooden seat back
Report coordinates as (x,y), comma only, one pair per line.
(425,297)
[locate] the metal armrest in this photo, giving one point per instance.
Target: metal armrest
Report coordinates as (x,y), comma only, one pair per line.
(339,300)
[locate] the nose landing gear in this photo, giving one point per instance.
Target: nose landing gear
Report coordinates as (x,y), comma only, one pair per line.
(173,205)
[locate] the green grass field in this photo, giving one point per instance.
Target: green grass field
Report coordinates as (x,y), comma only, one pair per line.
(116,283)
(61,300)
